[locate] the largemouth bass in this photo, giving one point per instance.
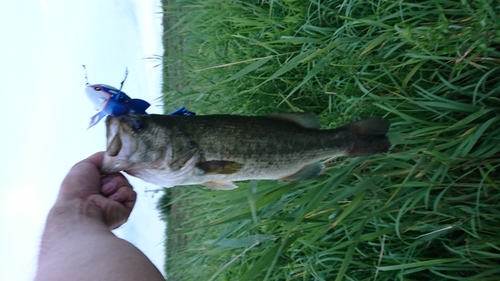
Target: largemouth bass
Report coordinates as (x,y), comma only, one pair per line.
(216,150)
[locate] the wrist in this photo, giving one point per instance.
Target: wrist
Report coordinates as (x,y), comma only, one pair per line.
(76,210)
(69,222)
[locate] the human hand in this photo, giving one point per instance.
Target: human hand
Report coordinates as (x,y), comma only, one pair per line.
(112,195)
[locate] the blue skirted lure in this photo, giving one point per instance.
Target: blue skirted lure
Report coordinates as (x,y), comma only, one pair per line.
(109,100)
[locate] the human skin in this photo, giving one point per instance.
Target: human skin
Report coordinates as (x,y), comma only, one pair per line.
(77,243)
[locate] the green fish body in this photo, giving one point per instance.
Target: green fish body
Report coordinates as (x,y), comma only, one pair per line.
(216,150)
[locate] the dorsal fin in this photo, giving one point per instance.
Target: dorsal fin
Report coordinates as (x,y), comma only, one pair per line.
(304,119)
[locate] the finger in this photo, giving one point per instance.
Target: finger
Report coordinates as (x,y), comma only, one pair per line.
(110,183)
(126,196)
(84,177)
(95,159)
(114,213)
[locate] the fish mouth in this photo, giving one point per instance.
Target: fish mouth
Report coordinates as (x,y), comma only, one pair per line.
(120,147)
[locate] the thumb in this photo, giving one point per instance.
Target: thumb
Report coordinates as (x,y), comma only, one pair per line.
(84,177)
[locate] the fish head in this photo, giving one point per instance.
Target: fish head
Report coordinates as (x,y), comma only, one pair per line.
(134,143)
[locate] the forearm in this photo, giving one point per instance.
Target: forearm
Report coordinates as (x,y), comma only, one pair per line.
(76,236)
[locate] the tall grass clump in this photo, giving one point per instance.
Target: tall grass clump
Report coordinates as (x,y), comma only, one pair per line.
(428,210)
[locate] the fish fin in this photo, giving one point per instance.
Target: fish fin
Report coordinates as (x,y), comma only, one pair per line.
(370,126)
(304,119)
(220,185)
(370,136)
(368,145)
(219,167)
(307,172)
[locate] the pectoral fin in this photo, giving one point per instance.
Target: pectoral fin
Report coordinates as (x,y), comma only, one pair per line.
(220,185)
(306,173)
(219,167)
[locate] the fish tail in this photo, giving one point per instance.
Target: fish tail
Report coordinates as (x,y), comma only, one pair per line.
(369,136)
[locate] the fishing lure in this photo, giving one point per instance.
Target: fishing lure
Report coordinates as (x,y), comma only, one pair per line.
(109,100)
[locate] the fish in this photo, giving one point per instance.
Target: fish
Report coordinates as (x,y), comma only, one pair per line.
(218,150)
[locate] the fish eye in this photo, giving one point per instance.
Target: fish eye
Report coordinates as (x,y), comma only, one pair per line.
(137,125)
(97,88)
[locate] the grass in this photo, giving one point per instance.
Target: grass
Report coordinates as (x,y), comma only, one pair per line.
(428,210)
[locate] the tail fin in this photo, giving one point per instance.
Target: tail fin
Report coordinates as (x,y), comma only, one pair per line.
(369,136)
